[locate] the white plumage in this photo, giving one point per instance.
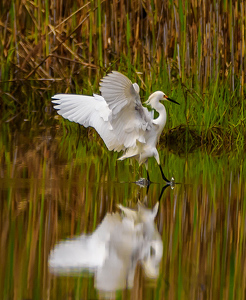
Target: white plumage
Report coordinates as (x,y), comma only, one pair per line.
(118,116)
(113,250)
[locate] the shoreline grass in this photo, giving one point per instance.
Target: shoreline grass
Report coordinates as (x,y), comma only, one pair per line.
(194,53)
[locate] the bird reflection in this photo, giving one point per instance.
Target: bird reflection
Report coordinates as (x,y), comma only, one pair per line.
(113,250)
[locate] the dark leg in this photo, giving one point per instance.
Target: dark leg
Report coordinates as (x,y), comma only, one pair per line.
(162,191)
(148,176)
(149,182)
(146,166)
(163,176)
(143,181)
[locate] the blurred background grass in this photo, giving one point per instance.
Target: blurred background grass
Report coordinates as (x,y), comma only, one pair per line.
(192,50)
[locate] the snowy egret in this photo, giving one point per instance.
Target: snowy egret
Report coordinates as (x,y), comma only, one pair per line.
(119,117)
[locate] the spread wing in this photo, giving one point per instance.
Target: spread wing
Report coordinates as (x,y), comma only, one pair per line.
(118,115)
(87,111)
(129,119)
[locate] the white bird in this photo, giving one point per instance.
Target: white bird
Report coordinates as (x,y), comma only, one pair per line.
(113,250)
(119,117)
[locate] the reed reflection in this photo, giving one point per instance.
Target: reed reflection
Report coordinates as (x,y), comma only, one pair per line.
(113,250)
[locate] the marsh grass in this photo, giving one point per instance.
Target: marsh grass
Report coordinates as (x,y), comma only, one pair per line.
(193,51)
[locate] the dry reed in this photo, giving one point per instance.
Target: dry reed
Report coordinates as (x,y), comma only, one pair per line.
(57,40)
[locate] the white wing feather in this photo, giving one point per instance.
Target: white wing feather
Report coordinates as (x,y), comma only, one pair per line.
(130,119)
(118,91)
(88,111)
(118,115)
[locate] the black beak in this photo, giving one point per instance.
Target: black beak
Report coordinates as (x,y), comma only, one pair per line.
(171,100)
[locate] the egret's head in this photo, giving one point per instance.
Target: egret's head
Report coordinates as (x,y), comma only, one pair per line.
(156,97)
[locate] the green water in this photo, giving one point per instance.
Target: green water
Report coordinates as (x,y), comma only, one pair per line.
(55,185)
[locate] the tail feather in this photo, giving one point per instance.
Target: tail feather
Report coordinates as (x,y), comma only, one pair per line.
(131,152)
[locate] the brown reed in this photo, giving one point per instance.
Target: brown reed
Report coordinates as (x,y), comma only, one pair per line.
(59,40)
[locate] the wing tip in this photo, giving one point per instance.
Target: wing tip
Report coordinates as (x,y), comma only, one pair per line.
(56,101)
(55,97)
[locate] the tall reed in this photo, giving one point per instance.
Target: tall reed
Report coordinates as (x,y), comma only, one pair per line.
(202,38)
(195,50)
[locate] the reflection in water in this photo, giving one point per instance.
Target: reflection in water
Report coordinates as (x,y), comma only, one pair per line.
(114,249)
(48,191)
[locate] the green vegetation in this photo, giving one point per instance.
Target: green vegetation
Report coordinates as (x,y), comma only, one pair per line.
(58,180)
(192,51)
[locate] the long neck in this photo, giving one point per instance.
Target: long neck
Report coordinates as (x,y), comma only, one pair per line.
(162,118)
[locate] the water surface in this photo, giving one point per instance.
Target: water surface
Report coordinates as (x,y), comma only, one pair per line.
(56,185)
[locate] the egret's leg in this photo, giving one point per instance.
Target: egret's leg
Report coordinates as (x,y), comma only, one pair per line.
(156,156)
(162,191)
(146,166)
(148,176)
(163,176)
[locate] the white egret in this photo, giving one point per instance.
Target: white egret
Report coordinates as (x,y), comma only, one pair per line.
(119,117)
(113,250)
